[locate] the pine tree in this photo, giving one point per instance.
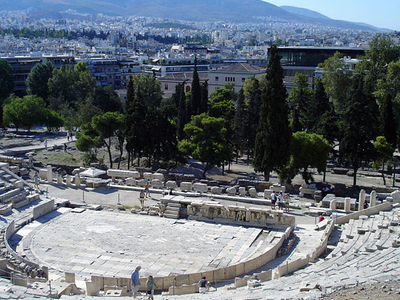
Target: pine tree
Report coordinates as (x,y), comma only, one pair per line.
(273,134)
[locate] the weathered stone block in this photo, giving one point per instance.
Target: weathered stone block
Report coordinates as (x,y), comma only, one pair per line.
(158,176)
(186,186)
(253,192)
(157,183)
(171,184)
(396,196)
(147,175)
(69,277)
(92,289)
(141,182)
(131,181)
(267,194)
(200,187)
(231,191)
(216,190)
(122,173)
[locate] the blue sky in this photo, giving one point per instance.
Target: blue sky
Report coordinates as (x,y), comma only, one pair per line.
(380,13)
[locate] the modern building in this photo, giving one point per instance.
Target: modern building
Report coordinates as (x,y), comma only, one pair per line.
(22,66)
(106,71)
(169,82)
(306,59)
(234,74)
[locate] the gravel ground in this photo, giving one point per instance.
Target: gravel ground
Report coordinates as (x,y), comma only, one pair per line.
(389,290)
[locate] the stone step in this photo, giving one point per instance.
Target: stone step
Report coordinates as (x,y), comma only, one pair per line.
(170,216)
(6,177)
(7,195)
(172,204)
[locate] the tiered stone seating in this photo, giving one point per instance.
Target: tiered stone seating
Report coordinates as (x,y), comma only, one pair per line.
(365,253)
(14,191)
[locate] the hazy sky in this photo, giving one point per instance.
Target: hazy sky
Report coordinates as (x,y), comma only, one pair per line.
(380,13)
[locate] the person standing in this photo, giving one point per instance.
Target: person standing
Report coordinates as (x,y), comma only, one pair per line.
(150,287)
(280,201)
(147,189)
(273,200)
(287,202)
(142,199)
(45,144)
(135,281)
(203,285)
(36,180)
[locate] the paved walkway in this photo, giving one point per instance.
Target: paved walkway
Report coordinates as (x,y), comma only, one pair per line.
(37,144)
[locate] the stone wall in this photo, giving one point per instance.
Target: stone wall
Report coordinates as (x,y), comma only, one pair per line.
(43,209)
(365,212)
(252,216)
(10,230)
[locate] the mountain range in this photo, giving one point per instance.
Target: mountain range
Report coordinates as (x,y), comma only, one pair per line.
(194,10)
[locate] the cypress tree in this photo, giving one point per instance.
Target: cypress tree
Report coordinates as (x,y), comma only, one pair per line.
(359,126)
(204,97)
(137,129)
(129,118)
(182,110)
(273,134)
(195,99)
(389,126)
(239,124)
(253,114)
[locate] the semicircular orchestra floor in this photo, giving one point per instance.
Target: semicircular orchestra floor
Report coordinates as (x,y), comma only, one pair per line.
(112,243)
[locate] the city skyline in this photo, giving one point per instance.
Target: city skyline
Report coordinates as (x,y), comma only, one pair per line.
(366,11)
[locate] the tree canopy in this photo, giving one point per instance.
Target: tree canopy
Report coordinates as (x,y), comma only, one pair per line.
(206,141)
(309,150)
(38,78)
(24,112)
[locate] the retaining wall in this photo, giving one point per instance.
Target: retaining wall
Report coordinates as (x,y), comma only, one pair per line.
(43,209)
(10,230)
(365,212)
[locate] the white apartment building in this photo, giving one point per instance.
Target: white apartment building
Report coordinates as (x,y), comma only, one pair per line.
(236,74)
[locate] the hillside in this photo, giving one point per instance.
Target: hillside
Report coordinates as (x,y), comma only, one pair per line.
(195,10)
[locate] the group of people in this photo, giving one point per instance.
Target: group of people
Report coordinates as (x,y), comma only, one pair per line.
(135,282)
(282,199)
(203,284)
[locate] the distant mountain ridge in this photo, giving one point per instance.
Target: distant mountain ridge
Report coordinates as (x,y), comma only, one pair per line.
(194,10)
(304,12)
(322,19)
